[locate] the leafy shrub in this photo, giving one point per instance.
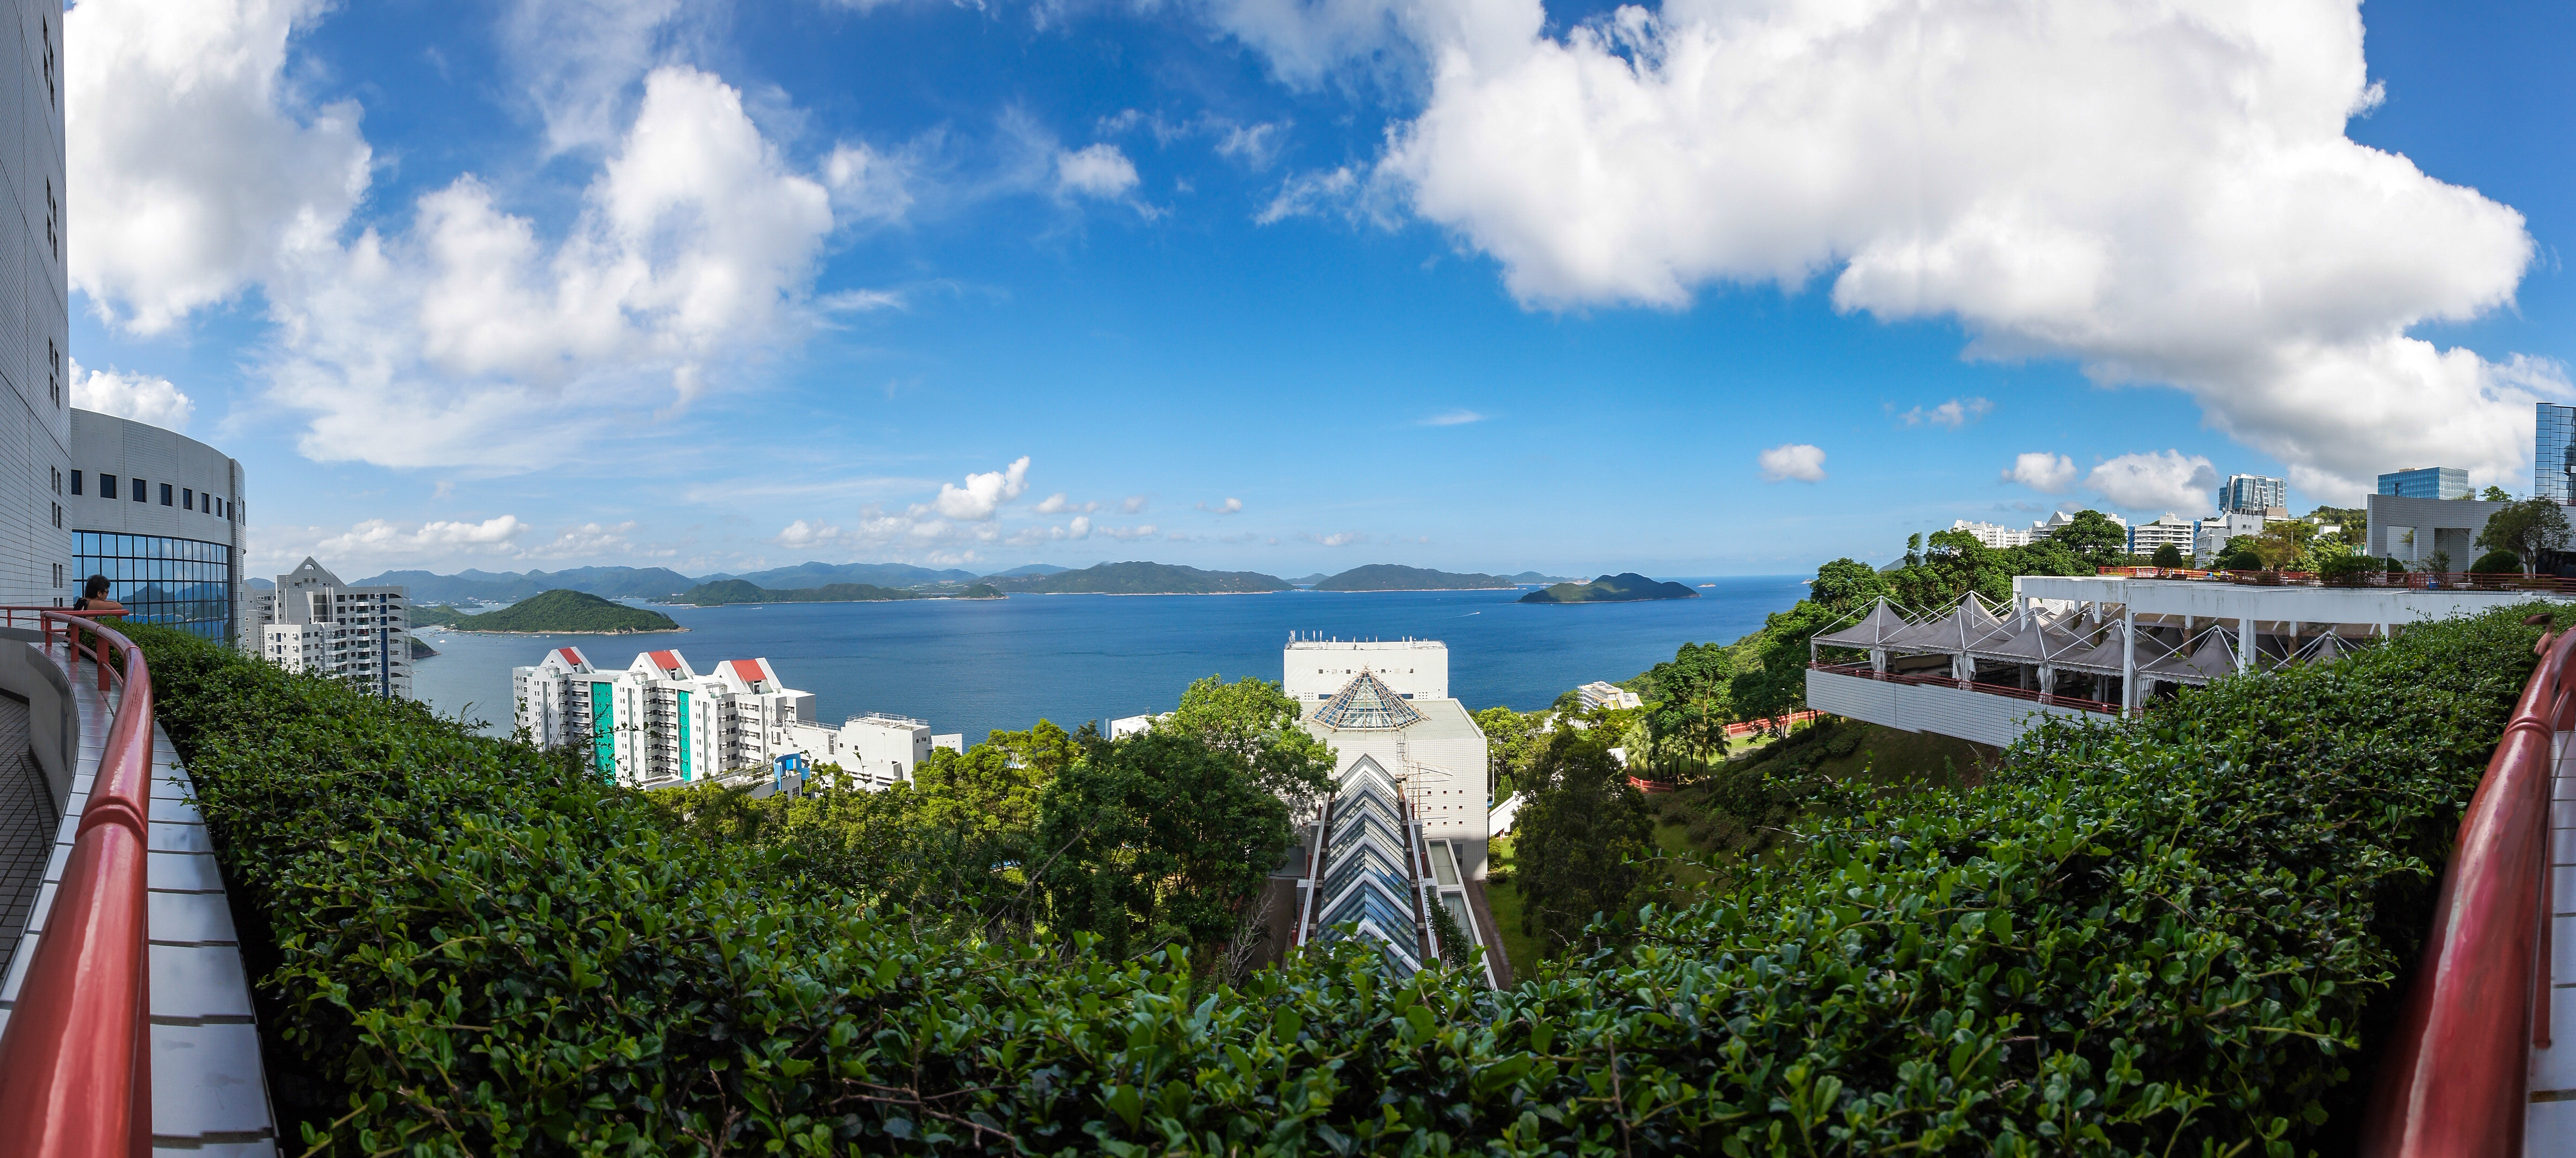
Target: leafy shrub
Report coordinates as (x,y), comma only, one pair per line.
(2342,566)
(2171,935)
(2496,563)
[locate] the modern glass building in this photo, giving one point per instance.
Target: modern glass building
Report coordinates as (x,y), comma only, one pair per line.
(2553,455)
(2431,482)
(182,583)
(160,515)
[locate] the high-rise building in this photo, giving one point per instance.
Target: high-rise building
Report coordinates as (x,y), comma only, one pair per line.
(159,515)
(36,561)
(2553,453)
(313,622)
(2253,492)
(2427,482)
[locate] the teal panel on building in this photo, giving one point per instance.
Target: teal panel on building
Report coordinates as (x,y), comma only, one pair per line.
(603,731)
(684,735)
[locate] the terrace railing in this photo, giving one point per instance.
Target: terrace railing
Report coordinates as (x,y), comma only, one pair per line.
(2452,1080)
(76,1058)
(2405,580)
(2051,699)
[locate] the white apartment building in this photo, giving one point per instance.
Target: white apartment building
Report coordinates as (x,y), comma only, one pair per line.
(313,622)
(2254,492)
(1604,694)
(1315,669)
(659,722)
(2210,535)
(2168,530)
(1995,535)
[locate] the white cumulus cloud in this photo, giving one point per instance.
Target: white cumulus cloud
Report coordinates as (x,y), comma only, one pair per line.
(2163,480)
(1056,504)
(1952,414)
(1099,170)
(145,398)
(2163,193)
(2041,471)
(1795,460)
(1336,539)
(1231,506)
(983,493)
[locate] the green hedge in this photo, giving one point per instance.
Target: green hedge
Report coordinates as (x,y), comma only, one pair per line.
(2169,937)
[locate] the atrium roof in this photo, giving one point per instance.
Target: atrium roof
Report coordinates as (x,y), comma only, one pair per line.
(1366,703)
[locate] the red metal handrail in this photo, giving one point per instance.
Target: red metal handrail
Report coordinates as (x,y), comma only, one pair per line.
(76,1058)
(2452,1079)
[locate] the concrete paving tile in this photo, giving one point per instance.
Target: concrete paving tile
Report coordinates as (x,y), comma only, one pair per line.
(207,1080)
(2549,1128)
(199,982)
(179,838)
(183,872)
(189,918)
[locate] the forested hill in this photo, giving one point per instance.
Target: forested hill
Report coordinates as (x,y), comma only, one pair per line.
(1625,587)
(725,592)
(557,611)
(1393,577)
(503,586)
(1140,579)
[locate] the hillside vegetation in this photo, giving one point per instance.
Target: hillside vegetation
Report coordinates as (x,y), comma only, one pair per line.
(1625,587)
(2170,935)
(567,612)
(1139,578)
(730,591)
(1391,577)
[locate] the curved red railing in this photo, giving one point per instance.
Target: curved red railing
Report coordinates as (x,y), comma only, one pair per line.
(76,1059)
(2452,1080)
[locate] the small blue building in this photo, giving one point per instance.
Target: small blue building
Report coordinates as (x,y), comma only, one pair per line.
(2431,482)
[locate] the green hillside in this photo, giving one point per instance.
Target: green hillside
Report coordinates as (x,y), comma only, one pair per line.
(1139,579)
(1625,587)
(557,611)
(1392,577)
(725,592)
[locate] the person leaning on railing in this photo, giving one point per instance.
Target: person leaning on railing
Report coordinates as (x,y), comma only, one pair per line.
(94,600)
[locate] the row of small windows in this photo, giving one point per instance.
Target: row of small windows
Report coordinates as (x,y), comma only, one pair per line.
(190,497)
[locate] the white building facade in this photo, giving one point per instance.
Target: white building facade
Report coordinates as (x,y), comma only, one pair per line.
(2169,530)
(36,556)
(313,622)
(1604,694)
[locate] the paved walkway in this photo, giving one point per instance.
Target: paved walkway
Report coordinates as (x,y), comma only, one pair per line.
(2550,1127)
(28,819)
(209,1092)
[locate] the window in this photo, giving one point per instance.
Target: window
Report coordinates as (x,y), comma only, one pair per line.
(58,574)
(187,497)
(58,516)
(185,583)
(58,479)
(165,494)
(46,27)
(141,492)
(53,371)
(53,241)
(76,482)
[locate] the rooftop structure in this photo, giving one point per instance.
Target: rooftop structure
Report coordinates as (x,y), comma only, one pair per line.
(160,515)
(1995,535)
(2168,530)
(2429,482)
(1314,669)
(2553,453)
(2097,646)
(2412,530)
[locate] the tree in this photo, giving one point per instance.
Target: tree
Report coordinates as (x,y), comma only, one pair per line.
(1511,738)
(1159,838)
(2237,554)
(1774,683)
(1255,720)
(1577,839)
(2496,494)
(2283,543)
(1848,585)
(2095,538)
(2526,528)
(2170,555)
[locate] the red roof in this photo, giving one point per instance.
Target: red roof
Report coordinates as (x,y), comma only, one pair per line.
(748,669)
(665,660)
(570,656)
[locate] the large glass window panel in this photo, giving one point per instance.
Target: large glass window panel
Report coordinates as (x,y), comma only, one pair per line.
(183,583)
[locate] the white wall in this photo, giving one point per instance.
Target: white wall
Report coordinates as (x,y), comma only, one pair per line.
(1977,716)
(35,336)
(1419,668)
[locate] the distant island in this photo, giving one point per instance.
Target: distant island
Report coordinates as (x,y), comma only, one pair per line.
(1392,577)
(1625,587)
(557,612)
(729,592)
(1140,579)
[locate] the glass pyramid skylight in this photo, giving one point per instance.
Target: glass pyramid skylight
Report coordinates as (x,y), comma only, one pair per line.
(1366,702)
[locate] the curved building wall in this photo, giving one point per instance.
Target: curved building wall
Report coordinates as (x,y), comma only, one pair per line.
(35,337)
(159,514)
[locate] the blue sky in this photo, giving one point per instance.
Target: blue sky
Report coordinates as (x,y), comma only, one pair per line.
(1280,287)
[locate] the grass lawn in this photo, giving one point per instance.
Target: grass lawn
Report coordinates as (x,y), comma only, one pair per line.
(1505,902)
(1674,841)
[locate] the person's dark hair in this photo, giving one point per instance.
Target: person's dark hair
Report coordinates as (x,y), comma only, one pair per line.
(95,587)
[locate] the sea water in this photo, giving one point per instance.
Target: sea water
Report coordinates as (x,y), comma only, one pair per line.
(972,666)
